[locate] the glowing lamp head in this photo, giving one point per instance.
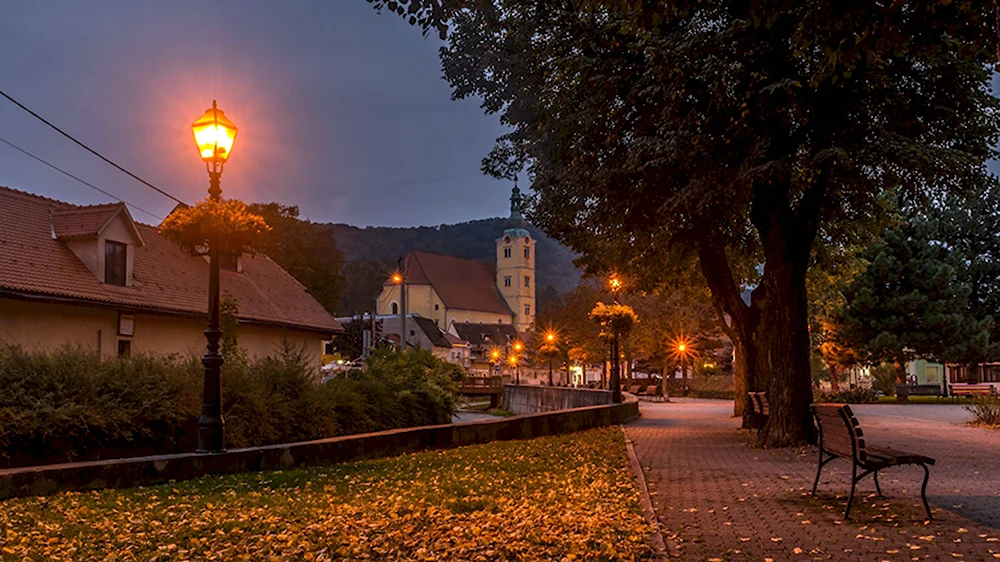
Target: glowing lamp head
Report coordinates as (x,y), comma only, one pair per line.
(615,283)
(681,347)
(495,354)
(550,337)
(513,360)
(215,135)
(518,346)
(397,278)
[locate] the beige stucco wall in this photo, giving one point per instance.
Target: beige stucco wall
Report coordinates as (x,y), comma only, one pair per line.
(476,317)
(37,325)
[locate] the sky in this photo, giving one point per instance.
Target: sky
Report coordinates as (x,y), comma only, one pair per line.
(341,111)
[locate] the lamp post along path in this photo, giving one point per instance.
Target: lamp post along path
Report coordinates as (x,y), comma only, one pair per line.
(215,135)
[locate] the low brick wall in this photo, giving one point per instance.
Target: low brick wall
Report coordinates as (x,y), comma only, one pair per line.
(533,399)
(144,471)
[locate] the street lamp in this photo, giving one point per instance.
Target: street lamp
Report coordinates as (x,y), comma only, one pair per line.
(616,376)
(550,340)
(494,360)
(517,371)
(215,135)
(397,279)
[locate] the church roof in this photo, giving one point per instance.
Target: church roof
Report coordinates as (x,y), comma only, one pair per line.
(460,283)
(485,334)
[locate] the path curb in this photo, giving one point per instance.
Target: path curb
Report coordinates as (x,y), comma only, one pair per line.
(662,550)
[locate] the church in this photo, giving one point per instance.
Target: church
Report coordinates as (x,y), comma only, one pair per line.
(452,291)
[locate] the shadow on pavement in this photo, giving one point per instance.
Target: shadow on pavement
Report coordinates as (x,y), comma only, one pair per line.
(984,510)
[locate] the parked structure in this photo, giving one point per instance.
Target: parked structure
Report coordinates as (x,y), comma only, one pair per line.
(91,276)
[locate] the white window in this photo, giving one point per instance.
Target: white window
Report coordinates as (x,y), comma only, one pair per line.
(931,373)
(506,281)
(394,307)
(506,252)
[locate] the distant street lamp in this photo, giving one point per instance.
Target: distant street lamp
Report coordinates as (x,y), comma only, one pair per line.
(616,376)
(494,360)
(215,135)
(683,349)
(398,279)
(550,340)
(517,370)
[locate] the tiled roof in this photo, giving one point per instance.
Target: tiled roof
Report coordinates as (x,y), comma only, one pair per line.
(166,279)
(430,329)
(462,284)
(79,222)
(486,334)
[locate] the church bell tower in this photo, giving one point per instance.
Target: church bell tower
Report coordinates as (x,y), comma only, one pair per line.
(516,265)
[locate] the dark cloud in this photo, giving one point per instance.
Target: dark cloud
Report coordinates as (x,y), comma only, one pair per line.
(341,111)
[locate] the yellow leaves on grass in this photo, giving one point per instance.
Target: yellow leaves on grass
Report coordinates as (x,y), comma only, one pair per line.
(560,498)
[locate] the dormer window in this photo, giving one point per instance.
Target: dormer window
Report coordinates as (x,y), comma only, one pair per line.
(115,262)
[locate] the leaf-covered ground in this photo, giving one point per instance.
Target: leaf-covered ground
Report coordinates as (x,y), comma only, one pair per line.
(557,498)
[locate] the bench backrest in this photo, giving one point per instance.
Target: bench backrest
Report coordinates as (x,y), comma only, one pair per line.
(752,402)
(762,406)
(839,431)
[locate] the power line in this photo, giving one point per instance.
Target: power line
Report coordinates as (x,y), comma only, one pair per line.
(84,182)
(91,150)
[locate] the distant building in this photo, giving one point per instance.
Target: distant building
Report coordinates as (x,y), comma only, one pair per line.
(91,276)
(482,340)
(447,289)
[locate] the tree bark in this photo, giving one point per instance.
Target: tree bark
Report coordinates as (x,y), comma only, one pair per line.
(743,321)
(783,345)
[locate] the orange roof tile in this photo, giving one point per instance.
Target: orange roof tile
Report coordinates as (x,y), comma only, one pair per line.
(166,279)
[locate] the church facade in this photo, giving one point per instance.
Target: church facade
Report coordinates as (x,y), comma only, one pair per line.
(451,290)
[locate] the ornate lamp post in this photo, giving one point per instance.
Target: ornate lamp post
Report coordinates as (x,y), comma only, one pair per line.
(616,376)
(215,135)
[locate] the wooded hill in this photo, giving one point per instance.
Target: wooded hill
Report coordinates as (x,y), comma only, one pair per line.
(371,253)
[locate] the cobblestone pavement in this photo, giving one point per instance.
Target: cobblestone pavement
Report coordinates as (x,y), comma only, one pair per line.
(720,499)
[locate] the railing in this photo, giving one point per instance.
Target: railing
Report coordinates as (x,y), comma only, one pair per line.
(482,382)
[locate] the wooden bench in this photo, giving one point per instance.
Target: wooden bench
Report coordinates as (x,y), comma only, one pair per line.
(904,391)
(840,436)
(634,389)
(972,390)
(652,392)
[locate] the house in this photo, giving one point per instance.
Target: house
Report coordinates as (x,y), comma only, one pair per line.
(448,289)
(423,333)
(482,340)
(91,276)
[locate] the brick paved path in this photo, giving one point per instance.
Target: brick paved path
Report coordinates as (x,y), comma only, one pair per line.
(719,499)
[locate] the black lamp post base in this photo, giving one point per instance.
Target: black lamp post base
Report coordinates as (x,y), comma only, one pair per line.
(211,435)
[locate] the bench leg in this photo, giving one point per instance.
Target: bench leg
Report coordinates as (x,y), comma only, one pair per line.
(923,491)
(854,484)
(877,487)
(819,468)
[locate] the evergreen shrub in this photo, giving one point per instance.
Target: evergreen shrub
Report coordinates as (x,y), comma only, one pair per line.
(70,405)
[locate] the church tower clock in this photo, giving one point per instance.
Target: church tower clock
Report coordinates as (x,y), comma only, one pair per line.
(516,265)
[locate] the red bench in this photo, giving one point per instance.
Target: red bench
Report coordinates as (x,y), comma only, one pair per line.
(840,436)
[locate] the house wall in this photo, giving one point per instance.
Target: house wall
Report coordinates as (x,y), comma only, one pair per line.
(926,372)
(477,317)
(39,325)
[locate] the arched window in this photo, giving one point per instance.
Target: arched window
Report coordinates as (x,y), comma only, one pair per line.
(395,307)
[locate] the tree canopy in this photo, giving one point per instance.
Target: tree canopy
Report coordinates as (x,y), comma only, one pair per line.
(733,132)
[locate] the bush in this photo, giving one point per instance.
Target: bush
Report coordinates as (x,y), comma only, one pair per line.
(985,410)
(70,405)
(860,395)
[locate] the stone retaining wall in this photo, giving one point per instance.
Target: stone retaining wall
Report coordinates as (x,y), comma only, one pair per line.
(533,399)
(144,471)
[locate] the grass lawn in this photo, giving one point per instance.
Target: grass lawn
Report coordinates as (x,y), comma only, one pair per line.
(924,400)
(553,498)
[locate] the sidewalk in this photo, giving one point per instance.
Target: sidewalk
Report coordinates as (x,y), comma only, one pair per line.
(719,499)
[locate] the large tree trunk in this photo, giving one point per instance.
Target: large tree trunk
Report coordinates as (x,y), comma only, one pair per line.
(783,347)
(738,320)
(783,344)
